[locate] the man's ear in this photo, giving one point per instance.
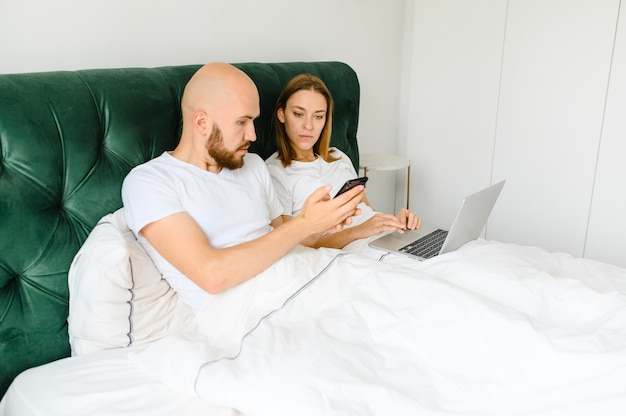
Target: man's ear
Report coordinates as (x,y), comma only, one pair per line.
(280,113)
(202,122)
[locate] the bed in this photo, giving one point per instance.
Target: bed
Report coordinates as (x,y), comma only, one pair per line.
(492,328)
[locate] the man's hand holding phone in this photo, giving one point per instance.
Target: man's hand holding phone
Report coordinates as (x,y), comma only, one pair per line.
(330,215)
(347,187)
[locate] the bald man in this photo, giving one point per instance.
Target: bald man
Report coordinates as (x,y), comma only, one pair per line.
(206,212)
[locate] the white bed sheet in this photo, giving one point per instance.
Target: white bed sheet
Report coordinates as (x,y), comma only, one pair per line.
(99,384)
(491,329)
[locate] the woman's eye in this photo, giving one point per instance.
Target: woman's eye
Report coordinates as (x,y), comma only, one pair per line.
(297,114)
(319,117)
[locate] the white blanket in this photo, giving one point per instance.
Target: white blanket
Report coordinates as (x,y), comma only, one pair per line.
(492,329)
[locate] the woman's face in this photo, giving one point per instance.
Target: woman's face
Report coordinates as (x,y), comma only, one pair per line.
(304,117)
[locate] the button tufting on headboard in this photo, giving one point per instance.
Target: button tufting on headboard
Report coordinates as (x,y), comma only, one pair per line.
(67,140)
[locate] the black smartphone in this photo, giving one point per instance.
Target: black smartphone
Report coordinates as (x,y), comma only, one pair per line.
(351,184)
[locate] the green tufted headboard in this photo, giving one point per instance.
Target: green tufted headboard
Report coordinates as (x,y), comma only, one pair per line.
(67,140)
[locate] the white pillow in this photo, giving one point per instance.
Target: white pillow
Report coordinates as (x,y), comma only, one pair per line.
(118,298)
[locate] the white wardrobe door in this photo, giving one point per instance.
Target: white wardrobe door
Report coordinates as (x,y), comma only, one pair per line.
(606,239)
(557,57)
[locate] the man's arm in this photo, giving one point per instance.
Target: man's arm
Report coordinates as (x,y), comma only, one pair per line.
(180,240)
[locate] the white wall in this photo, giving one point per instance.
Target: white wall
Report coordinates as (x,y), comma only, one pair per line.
(43,35)
(472,91)
(452,102)
(532,91)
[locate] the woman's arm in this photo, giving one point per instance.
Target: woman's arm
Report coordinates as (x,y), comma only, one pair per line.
(379,222)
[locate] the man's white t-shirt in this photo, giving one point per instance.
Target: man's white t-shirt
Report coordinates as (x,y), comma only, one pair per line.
(231,207)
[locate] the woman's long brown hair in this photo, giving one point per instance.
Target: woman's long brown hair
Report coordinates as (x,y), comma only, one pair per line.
(308,82)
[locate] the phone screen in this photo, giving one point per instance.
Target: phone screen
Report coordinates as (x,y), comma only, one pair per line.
(351,184)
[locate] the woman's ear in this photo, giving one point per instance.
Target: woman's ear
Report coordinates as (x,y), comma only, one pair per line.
(280,113)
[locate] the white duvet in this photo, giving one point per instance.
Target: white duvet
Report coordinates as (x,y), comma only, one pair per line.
(492,329)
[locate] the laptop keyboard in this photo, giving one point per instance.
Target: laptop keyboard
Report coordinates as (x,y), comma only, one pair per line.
(427,246)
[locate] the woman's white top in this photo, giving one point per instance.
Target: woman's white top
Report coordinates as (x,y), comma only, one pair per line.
(295,183)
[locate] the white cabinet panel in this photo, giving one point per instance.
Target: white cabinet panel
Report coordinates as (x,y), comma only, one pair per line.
(556,62)
(606,239)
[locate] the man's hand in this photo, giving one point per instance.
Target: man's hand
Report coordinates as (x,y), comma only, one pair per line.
(321,214)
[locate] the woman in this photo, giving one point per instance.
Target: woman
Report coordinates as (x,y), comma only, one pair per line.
(305,161)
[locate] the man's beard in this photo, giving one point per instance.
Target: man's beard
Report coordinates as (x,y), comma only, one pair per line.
(224,158)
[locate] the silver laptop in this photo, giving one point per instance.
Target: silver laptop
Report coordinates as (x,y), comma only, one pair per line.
(428,241)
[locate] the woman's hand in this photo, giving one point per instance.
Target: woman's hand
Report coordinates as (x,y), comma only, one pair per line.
(405,220)
(377,224)
(409,219)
